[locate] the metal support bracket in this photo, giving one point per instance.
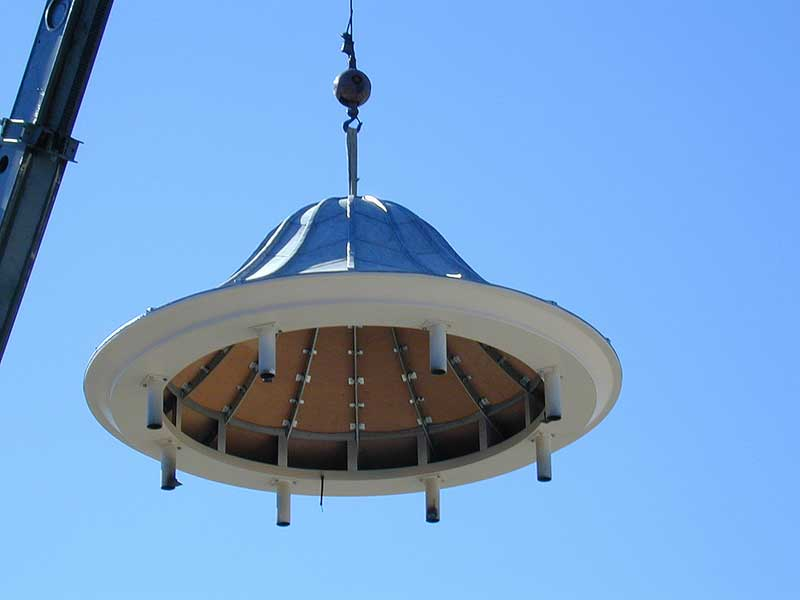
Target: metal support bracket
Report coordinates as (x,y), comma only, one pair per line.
(39,138)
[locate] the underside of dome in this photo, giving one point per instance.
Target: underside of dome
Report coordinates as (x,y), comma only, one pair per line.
(354,398)
(361,234)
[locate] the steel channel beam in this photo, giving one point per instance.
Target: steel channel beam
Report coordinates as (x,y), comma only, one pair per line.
(414,400)
(190,386)
(526,383)
(241,394)
(523,381)
(355,387)
(37,144)
(298,399)
(343,437)
(224,418)
(473,395)
(182,393)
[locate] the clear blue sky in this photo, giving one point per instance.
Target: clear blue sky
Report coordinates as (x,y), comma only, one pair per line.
(635,161)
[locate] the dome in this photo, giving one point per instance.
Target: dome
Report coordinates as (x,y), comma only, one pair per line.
(353,353)
(363,234)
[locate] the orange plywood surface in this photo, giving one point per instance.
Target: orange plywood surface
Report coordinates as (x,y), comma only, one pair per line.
(328,395)
(445,399)
(384,394)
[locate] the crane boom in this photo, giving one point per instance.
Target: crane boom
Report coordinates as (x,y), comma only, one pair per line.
(36,142)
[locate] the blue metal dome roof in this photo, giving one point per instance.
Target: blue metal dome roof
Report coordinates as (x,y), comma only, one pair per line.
(363,235)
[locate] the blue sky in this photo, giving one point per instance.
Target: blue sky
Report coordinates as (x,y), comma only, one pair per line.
(635,161)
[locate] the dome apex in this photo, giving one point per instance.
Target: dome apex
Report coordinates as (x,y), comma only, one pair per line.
(361,234)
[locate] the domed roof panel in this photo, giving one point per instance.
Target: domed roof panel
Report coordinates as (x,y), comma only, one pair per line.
(363,234)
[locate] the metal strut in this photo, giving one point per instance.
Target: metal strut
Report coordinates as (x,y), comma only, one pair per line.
(414,398)
(526,383)
(302,379)
(37,139)
(356,381)
(352,156)
(190,386)
(466,383)
(229,410)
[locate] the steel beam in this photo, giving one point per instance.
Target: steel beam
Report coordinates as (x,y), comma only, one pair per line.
(472,394)
(345,436)
(218,434)
(241,393)
(414,399)
(523,381)
(356,404)
(534,404)
(303,380)
(190,386)
(36,142)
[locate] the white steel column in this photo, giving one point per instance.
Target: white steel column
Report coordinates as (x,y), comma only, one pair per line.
(222,436)
(544,469)
(283,451)
(552,395)
(437,335)
(422,449)
(483,435)
(267,352)
(432,500)
(169,462)
(284,499)
(352,455)
(155,385)
(178,415)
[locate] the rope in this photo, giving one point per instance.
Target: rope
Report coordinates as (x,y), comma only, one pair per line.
(348,46)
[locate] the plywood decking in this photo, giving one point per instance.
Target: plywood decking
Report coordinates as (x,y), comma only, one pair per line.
(328,397)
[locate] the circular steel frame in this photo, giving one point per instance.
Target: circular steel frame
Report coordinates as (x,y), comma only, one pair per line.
(163,341)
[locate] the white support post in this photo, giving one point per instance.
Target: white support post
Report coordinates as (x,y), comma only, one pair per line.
(483,435)
(352,455)
(528,415)
(178,415)
(222,436)
(267,352)
(169,465)
(432,500)
(283,451)
(155,400)
(422,449)
(284,499)
(552,395)
(437,335)
(544,468)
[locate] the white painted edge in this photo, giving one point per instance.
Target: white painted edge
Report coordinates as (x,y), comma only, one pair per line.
(167,339)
